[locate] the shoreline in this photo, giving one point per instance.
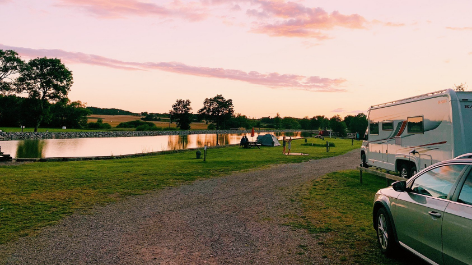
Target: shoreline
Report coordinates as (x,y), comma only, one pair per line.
(8,136)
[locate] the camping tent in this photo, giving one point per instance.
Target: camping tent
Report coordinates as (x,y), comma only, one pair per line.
(268,140)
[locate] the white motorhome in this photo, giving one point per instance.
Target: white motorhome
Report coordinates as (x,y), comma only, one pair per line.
(410,134)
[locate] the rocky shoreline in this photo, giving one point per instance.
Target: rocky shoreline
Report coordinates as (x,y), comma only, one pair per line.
(6,136)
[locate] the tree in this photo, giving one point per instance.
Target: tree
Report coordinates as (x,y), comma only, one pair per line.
(290,123)
(322,122)
(337,125)
(460,87)
(70,114)
(358,124)
(305,123)
(277,121)
(180,113)
(44,79)
(10,64)
(217,110)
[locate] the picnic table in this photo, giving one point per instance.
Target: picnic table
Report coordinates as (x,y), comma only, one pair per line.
(250,144)
(5,157)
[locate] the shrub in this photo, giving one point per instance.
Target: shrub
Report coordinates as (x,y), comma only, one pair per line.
(98,125)
(147,127)
(135,124)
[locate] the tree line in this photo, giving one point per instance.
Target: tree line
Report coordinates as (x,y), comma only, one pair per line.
(220,113)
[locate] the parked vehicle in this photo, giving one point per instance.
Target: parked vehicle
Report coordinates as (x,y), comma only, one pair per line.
(411,134)
(430,214)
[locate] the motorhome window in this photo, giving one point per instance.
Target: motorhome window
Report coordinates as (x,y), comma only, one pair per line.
(374,128)
(387,126)
(415,125)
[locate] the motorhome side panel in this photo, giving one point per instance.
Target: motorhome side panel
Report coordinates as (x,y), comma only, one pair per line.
(423,125)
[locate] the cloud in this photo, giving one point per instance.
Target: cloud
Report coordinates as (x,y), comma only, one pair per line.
(278,18)
(463,28)
(291,19)
(192,11)
(389,24)
(4,1)
(272,80)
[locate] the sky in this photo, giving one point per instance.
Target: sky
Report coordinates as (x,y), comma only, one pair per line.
(296,58)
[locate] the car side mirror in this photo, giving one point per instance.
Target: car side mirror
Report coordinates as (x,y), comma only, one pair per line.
(399,186)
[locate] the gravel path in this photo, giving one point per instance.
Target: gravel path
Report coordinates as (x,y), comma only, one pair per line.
(228,220)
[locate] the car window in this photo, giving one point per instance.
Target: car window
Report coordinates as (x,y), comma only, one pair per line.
(437,182)
(466,192)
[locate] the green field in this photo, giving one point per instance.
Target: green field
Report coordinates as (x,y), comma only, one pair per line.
(338,209)
(39,194)
(15,129)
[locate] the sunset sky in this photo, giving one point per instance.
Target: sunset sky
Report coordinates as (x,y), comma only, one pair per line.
(296,58)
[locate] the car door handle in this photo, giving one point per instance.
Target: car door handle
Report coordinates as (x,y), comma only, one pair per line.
(435,214)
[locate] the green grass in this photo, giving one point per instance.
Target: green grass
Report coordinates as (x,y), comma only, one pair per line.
(15,129)
(338,209)
(39,194)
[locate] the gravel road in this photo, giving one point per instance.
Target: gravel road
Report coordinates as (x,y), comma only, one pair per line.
(236,219)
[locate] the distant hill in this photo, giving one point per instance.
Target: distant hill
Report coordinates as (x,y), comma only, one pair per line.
(101,111)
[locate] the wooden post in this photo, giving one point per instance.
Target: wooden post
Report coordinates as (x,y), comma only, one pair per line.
(360,173)
(327,146)
(352,141)
(205,154)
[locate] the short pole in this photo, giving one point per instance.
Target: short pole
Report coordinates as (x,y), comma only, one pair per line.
(205,154)
(360,173)
(352,141)
(327,146)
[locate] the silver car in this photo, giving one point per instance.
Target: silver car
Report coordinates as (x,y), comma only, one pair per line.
(430,214)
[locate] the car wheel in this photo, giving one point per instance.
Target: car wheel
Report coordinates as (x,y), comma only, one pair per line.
(385,236)
(413,171)
(404,172)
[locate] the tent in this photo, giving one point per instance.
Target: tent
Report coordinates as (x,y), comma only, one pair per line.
(268,140)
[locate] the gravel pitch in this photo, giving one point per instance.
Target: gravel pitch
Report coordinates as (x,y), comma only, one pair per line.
(236,219)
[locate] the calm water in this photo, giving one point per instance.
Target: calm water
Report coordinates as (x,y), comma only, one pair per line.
(81,147)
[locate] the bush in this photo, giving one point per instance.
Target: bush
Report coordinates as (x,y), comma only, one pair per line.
(98,125)
(147,127)
(211,127)
(135,124)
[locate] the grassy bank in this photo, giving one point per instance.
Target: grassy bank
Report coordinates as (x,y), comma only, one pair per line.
(39,194)
(338,209)
(15,129)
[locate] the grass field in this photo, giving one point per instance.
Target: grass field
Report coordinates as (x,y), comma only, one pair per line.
(114,120)
(339,208)
(15,129)
(40,194)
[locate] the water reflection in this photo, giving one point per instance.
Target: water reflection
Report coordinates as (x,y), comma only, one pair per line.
(81,147)
(30,149)
(178,142)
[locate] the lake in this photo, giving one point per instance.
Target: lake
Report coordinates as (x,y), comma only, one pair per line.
(116,146)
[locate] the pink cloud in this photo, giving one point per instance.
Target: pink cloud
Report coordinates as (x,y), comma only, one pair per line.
(389,24)
(295,20)
(273,80)
(192,11)
(463,28)
(4,1)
